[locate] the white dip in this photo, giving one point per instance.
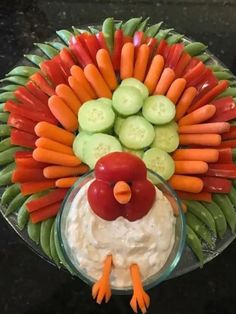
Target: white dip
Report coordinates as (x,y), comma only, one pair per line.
(146,242)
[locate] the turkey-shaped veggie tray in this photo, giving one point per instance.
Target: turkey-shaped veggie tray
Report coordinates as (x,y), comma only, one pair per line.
(189,138)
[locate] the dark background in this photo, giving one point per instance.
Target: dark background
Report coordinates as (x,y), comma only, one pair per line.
(28,285)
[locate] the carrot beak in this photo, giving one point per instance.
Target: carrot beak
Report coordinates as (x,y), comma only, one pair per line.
(122,192)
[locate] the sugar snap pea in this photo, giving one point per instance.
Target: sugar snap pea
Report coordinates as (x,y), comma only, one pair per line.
(93,30)
(195,244)
(64,35)
(4,116)
(227,208)
(222,75)
(20,80)
(108,32)
(217,68)
(130,26)
(230,91)
(2,106)
(5,144)
(195,48)
(199,228)
(232,196)
(8,155)
(217,214)
(49,51)
(34,231)
(16,204)
(118,25)
(9,88)
(153,29)
(173,39)
(57,45)
(5,130)
(8,168)
(5,179)
(204,57)
(45,230)
(142,25)
(22,70)
(7,96)
(34,59)
(9,194)
(53,247)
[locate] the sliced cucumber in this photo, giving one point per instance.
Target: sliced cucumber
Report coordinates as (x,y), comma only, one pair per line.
(118,122)
(98,146)
(96,116)
(137,84)
(127,100)
(104,100)
(158,109)
(138,153)
(160,162)
(174,125)
(166,138)
(79,144)
(136,133)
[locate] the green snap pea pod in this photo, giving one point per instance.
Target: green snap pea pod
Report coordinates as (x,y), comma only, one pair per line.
(49,51)
(8,155)
(33,231)
(222,75)
(234,149)
(64,35)
(7,96)
(195,48)
(16,204)
(20,80)
(5,144)
(230,91)
(5,179)
(108,32)
(227,208)
(93,30)
(163,33)
(199,228)
(142,25)
(53,249)
(45,230)
(5,130)
(153,29)
(2,106)
(173,39)
(130,26)
(4,116)
(217,68)
(118,25)
(76,30)
(232,196)
(232,123)
(82,31)
(22,70)
(10,193)
(232,83)
(195,244)
(8,168)
(234,181)
(56,45)
(34,59)
(204,57)
(217,214)
(9,88)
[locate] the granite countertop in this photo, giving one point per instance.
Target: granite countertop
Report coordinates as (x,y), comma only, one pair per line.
(28,284)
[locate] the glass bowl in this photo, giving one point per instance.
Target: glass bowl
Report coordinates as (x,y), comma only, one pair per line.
(70,261)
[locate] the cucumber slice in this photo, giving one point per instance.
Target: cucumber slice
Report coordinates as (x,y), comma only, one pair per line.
(99,145)
(127,100)
(137,84)
(105,101)
(96,116)
(118,123)
(174,125)
(79,144)
(136,133)
(138,153)
(160,162)
(166,138)
(158,109)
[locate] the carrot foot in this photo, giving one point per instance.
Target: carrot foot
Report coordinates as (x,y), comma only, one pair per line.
(101,289)
(140,298)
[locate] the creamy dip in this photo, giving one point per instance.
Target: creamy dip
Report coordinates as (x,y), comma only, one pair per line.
(146,242)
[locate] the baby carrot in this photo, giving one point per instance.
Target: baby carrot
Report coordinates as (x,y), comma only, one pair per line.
(176,89)
(48,130)
(190,167)
(79,90)
(63,113)
(205,154)
(55,172)
(106,68)
(55,146)
(167,77)
(182,64)
(186,183)
(215,127)
(51,157)
(198,116)
(202,196)
(127,61)
(154,73)
(141,62)
(66,182)
(78,74)
(45,212)
(185,102)
(69,97)
(122,192)
(200,139)
(96,80)
(28,188)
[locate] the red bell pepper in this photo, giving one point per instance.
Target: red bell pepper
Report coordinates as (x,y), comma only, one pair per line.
(206,84)
(118,44)
(21,175)
(63,69)
(222,170)
(52,197)
(216,185)
(127,39)
(192,64)
(91,45)
(161,47)
(21,123)
(229,135)
(152,44)
(45,213)
(67,59)
(202,196)
(52,70)
(227,144)
(37,92)
(101,40)
(225,110)
(28,188)
(28,162)
(195,73)
(42,83)
(23,154)
(22,138)
(138,39)
(225,156)
(175,53)
(80,52)
(182,64)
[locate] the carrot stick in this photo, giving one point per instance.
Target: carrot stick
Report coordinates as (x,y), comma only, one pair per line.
(63,113)
(96,80)
(154,73)
(106,68)
(202,196)
(127,61)
(78,74)
(66,182)
(167,77)
(45,213)
(122,192)
(79,90)
(56,172)
(186,183)
(198,116)
(69,97)
(182,64)
(205,154)
(48,130)
(200,139)
(47,143)
(51,157)
(215,127)
(141,62)
(174,204)
(185,102)
(190,167)
(176,89)
(28,188)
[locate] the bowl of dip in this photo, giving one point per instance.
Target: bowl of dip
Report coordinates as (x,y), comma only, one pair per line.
(154,242)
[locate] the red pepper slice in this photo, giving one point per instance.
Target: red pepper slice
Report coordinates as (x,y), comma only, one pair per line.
(52,70)
(225,156)
(21,175)
(152,44)
(37,92)
(228,144)
(161,47)
(42,83)
(229,135)
(202,196)
(67,59)
(195,72)
(216,185)
(138,39)
(193,62)
(222,170)
(28,162)
(28,188)
(23,154)
(92,45)
(101,40)
(182,64)
(127,39)
(206,84)
(175,53)
(21,123)
(118,44)
(22,138)
(63,69)
(225,110)
(44,213)
(79,50)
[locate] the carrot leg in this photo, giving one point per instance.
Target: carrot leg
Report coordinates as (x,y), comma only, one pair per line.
(140,298)
(101,289)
